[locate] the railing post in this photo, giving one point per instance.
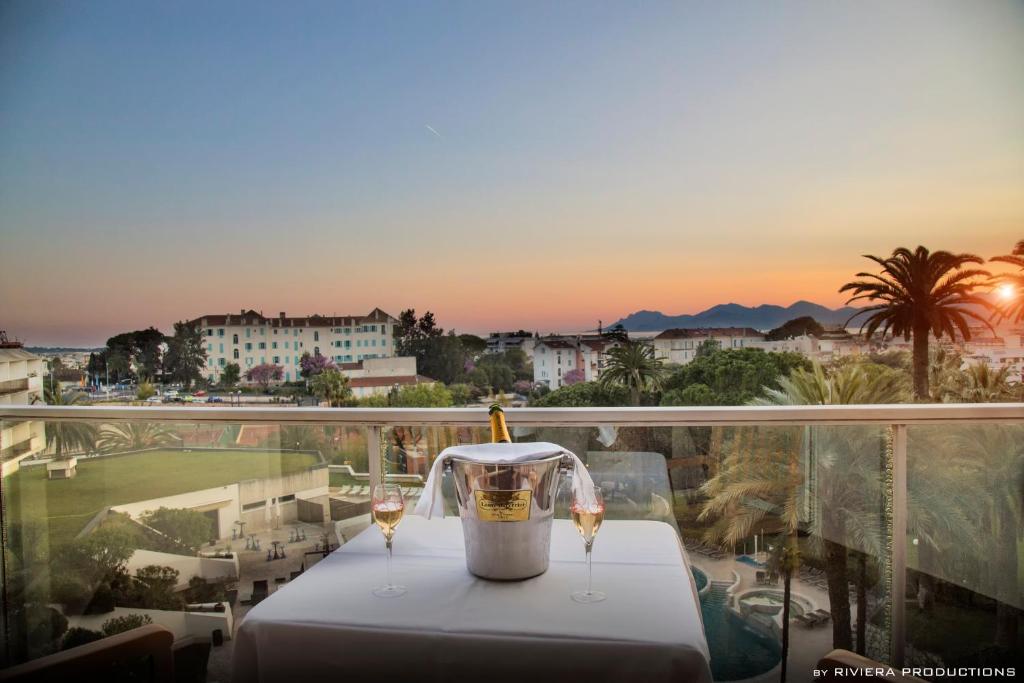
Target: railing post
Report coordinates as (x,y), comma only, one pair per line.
(899,543)
(374,456)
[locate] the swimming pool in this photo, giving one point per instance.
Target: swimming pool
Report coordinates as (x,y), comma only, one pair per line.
(738,650)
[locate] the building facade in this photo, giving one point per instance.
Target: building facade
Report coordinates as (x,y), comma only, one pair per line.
(556,357)
(680,346)
(250,339)
(21,383)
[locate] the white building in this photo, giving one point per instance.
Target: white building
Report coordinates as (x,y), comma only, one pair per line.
(554,357)
(680,346)
(250,339)
(21,383)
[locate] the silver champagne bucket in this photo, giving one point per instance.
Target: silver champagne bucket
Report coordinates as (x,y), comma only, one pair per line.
(506,513)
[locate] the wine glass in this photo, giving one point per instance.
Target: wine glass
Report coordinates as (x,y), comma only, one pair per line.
(388,506)
(587,516)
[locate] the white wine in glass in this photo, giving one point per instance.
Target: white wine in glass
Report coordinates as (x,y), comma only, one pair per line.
(587,516)
(388,506)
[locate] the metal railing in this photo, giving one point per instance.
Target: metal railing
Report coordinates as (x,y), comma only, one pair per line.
(897,418)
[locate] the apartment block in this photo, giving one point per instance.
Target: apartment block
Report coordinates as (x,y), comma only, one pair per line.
(249,338)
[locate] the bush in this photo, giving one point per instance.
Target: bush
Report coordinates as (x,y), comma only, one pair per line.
(117,625)
(79,636)
(146,390)
(583,395)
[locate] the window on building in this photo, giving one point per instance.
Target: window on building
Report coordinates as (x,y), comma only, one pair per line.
(220,332)
(221,362)
(248,346)
(287,498)
(234,339)
(263,345)
(209,332)
(236,354)
(273,345)
(316,335)
(254,506)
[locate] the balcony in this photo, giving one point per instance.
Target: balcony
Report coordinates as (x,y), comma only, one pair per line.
(13,386)
(901,524)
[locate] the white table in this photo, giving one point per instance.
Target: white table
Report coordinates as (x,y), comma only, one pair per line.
(452,626)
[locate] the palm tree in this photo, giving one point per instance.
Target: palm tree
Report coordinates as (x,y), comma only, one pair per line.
(1015,307)
(848,496)
(634,366)
(67,437)
(760,480)
(333,387)
(979,383)
(917,294)
(136,436)
(994,462)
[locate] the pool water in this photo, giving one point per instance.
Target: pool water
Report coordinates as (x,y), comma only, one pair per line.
(747,559)
(738,651)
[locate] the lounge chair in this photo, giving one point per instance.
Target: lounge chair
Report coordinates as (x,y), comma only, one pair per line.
(805,620)
(761,578)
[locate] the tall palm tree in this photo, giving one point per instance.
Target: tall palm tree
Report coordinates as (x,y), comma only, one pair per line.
(135,436)
(68,437)
(1015,307)
(919,293)
(994,462)
(634,366)
(848,500)
(759,483)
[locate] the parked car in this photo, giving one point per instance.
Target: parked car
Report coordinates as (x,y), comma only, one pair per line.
(201,392)
(154,399)
(214,399)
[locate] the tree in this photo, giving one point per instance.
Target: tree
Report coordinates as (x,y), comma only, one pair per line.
(804,325)
(760,480)
(186,354)
(979,383)
(584,395)
(135,436)
(918,294)
(67,437)
(732,376)
(332,386)
(1014,308)
(848,477)
(312,365)
(187,528)
(230,375)
(146,390)
(462,394)
(424,395)
(264,374)
(574,376)
(473,344)
(634,366)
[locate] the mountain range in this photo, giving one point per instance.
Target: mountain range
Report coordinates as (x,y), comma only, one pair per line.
(763,317)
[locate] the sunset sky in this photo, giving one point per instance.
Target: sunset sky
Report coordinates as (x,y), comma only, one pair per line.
(506,165)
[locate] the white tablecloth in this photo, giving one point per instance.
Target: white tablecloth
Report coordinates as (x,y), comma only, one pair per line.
(452,626)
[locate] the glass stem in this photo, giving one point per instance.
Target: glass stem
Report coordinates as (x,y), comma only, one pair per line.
(389,561)
(590,572)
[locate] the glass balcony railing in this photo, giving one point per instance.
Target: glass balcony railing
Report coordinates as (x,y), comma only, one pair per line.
(897,528)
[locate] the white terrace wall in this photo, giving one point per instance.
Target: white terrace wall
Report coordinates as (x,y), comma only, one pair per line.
(261,499)
(223,499)
(209,568)
(182,624)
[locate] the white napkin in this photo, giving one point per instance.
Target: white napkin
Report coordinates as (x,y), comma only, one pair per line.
(431,502)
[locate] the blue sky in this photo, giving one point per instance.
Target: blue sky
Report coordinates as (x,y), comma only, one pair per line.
(159,161)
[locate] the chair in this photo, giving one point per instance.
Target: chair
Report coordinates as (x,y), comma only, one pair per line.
(191,656)
(260,591)
(142,654)
(760,577)
(837,665)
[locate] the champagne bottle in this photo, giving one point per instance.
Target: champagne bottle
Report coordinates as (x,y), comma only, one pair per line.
(499,430)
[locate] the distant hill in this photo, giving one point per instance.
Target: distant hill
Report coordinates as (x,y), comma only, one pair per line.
(764,317)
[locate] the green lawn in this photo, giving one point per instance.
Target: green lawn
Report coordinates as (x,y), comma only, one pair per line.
(69,504)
